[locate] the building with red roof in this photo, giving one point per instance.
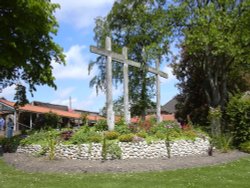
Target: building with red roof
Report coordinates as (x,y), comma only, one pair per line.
(34,110)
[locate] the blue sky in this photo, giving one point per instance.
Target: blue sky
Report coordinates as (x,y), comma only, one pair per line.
(76,19)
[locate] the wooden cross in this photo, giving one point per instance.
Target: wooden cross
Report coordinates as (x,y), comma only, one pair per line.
(123,58)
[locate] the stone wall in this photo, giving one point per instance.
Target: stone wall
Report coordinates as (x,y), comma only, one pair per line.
(129,150)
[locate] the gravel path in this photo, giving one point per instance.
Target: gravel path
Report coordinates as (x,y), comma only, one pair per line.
(41,164)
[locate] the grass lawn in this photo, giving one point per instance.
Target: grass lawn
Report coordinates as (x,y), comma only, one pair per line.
(235,174)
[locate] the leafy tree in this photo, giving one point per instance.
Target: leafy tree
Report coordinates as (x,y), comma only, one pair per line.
(216,43)
(142,26)
(27,48)
(191,100)
(118,107)
(238,110)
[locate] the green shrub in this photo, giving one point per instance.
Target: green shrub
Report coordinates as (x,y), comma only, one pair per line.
(245,147)
(111,135)
(101,125)
(94,137)
(48,121)
(165,127)
(114,150)
(52,140)
(79,137)
(126,138)
(121,127)
(189,134)
(84,119)
(238,110)
(38,137)
(142,134)
(160,135)
(9,145)
(1,138)
(174,135)
(111,148)
(223,142)
(85,135)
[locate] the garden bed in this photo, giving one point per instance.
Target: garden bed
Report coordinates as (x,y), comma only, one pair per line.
(126,150)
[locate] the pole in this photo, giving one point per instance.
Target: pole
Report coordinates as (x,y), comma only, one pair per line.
(158,93)
(125,86)
(109,98)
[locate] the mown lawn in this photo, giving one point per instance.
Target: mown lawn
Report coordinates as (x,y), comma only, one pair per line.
(235,175)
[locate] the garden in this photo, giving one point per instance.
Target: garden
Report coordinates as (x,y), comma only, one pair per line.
(147,132)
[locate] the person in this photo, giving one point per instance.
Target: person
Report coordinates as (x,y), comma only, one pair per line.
(10,127)
(2,122)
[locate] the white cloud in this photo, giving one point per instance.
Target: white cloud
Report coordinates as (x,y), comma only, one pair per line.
(66,92)
(91,103)
(76,65)
(63,95)
(81,13)
(8,92)
(64,101)
(171,76)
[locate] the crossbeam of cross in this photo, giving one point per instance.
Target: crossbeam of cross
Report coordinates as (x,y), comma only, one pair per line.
(123,58)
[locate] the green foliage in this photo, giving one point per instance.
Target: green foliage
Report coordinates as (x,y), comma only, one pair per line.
(238,111)
(114,150)
(48,121)
(94,137)
(111,148)
(167,143)
(121,127)
(85,135)
(173,134)
(52,120)
(142,134)
(223,142)
(9,145)
(245,147)
(27,47)
(126,138)
(84,118)
(101,125)
(165,127)
(213,61)
(104,149)
(80,136)
(52,140)
(37,137)
(214,117)
(111,135)
(189,134)
(214,113)
(42,152)
(160,135)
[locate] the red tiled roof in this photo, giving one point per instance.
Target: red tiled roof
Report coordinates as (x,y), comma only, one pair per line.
(73,114)
(42,110)
(94,117)
(165,117)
